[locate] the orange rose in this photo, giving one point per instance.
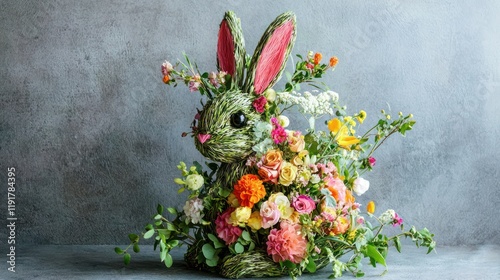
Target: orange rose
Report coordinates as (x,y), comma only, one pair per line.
(270,166)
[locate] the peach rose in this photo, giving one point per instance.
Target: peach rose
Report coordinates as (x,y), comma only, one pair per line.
(296,141)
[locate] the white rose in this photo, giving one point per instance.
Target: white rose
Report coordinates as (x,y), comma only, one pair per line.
(194,182)
(360,186)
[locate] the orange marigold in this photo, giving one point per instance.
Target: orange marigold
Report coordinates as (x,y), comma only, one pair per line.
(249,190)
(333,61)
(317,58)
(166,79)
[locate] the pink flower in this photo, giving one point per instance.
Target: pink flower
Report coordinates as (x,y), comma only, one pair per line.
(287,243)
(212,77)
(260,104)
(166,67)
(225,230)
(336,187)
(397,220)
(193,86)
(195,83)
(326,169)
(278,133)
(270,214)
(371,161)
(303,204)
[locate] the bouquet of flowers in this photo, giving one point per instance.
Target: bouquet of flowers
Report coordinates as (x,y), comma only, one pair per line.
(274,200)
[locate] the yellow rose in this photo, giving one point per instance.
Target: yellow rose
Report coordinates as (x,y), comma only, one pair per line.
(232,200)
(255,221)
(240,216)
(287,174)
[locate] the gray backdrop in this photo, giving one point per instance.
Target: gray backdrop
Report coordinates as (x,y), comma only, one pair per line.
(94,135)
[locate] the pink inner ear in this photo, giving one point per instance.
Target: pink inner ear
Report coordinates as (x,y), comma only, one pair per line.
(272,57)
(225,49)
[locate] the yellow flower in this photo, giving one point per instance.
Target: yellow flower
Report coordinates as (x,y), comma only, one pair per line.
(255,221)
(288,173)
(370,207)
(232,200)
(240,216)
(283,204)
(334,125)
(347,141)
(361,116)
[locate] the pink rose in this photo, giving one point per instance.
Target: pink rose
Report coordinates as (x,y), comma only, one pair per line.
(303,204)
(270,214)
(371,161)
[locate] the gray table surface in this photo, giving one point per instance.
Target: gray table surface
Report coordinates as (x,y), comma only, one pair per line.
(100,262)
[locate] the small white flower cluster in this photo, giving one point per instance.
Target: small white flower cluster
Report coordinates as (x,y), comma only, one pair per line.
(313,103)
(193,209)
(387,217)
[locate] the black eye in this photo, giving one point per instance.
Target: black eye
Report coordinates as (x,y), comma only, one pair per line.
(238,120)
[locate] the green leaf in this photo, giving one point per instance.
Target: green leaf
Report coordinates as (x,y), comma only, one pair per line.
(168,260)
(173,243)
(198,167)
(149,233)
(136,248)
(373,253)
(213,166)
(208,251)
(172,210)
(157,217)
(360,274)
(311,265)
(397,244)
(238,248)
(163,254)
(288,264)
(119,251)
(252,246)
(149,227)
(159,209)
(212,237)
(181,190)
(246,236)
(212,262)
(126,258)
(134,238)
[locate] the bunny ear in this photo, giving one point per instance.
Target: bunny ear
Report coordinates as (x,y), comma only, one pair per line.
(231,47)
(269,58)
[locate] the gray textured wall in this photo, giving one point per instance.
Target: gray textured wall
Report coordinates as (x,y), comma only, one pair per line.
(95,135)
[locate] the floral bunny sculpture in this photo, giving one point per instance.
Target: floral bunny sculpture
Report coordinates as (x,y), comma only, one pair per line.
(281,202)
(225,127)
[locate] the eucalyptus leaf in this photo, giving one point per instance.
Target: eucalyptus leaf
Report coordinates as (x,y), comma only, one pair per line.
(238,248)
(208,251)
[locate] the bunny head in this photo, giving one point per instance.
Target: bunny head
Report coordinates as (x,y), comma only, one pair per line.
(225,127)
